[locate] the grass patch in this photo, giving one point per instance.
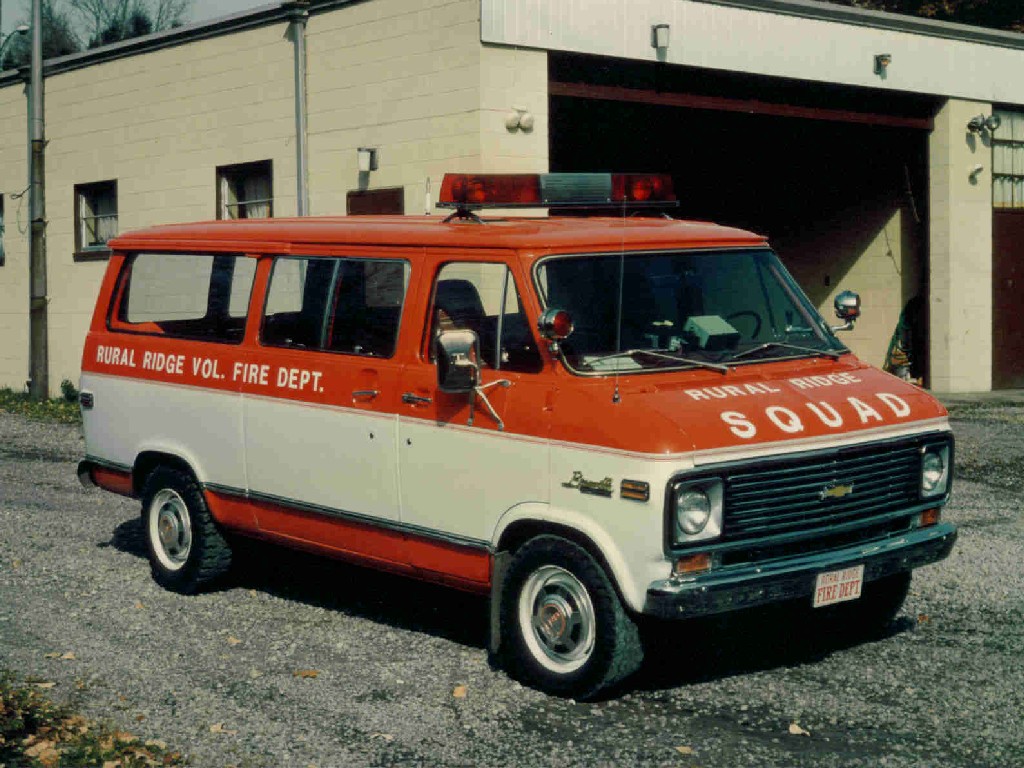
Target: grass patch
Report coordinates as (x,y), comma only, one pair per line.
(59,409)
(36,733)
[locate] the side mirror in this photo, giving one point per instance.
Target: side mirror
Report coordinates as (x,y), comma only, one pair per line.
(458,361)
(847,306)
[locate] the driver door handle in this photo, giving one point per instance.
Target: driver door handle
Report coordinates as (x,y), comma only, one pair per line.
(412,399)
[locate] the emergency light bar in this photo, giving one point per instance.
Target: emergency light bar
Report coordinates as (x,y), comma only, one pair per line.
(466,191)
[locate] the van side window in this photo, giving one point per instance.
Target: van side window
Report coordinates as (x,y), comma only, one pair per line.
(483,298)
(186,295)
(344,305)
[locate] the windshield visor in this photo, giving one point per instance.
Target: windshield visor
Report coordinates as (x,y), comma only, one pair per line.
(680,309)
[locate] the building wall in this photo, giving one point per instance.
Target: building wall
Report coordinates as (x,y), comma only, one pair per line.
(402,81)
(800,40)
(961,251)
(14,272)
(417,85)
(160,124)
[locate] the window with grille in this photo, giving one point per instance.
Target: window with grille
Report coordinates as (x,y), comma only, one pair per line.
(245,191)
(1008,161)
(95,218)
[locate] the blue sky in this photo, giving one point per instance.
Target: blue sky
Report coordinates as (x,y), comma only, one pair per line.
(15,10)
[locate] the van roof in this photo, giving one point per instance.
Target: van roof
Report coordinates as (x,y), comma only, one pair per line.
(554,233)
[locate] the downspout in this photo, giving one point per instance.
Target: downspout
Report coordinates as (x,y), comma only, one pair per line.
(299,15)
(39,369)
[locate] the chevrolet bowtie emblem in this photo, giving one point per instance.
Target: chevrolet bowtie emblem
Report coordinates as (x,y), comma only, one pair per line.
(834,491)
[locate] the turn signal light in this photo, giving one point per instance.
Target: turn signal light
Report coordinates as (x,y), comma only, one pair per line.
(928,517)
(693,564)
(637,490)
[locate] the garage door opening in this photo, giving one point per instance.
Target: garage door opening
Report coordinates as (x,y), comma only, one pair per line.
(843,201)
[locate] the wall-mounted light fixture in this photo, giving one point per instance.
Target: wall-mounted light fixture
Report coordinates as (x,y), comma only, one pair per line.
(367,159)
(519,119)
(980,124)
(660,37)
(882,62)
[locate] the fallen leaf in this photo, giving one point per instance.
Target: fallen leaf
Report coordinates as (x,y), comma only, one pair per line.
(44,685)
(54,655)
(139,718)
(233,640)
(254,673)
(922,618)
(684,750)
(16,564)
(219,728)
(67,656)
(796,730)
(308,674)
(384,736)
(139,606)
(459,692)
(253,593)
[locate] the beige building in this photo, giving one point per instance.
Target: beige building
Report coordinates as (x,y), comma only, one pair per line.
(851,138)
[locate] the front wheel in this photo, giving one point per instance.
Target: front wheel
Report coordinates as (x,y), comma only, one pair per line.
(186,549)
(564,629)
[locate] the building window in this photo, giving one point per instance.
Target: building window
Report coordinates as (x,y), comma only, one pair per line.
(95,218)
(371,202)
(245,191)
(1008,161)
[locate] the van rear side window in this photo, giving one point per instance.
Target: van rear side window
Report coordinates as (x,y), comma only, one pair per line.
(185,295)
(352,306)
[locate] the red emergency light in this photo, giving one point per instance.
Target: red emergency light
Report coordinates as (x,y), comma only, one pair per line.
(467,191)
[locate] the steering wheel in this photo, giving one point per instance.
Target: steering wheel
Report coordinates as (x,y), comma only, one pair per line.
(747,313)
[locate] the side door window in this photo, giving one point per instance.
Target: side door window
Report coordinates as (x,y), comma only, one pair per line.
(352,306)
(482,297)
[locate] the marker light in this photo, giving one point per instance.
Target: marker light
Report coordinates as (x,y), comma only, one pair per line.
(553,190)
(555,324)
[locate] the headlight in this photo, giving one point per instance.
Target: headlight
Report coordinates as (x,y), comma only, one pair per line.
(693,509)
(934,471)
(697,510)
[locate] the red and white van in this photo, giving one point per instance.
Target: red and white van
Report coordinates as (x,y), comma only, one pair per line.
(587,418)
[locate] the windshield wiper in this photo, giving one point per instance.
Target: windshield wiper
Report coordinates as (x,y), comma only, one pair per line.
(661,355)
(772,344)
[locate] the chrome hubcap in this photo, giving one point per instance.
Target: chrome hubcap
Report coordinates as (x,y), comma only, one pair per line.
(170,529)
(557,615)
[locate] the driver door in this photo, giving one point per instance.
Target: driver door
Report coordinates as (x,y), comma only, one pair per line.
(461,466)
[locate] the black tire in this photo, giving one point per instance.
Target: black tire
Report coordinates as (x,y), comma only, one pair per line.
(187,551)
(590,642)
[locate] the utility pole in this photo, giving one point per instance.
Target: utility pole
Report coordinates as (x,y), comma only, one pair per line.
(38,352)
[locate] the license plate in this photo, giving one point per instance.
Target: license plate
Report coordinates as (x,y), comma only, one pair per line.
(838,586)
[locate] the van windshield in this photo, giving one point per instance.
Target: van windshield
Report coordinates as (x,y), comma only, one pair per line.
(681,309)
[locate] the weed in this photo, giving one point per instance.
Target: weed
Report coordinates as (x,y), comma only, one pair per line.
(59,409)
(36,733)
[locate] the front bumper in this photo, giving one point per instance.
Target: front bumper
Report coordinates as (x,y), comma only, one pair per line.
(738,587)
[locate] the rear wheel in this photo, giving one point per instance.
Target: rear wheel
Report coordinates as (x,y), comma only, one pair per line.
(186,549)
(564,629)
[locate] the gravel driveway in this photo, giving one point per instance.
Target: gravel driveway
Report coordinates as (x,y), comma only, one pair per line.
(301,661)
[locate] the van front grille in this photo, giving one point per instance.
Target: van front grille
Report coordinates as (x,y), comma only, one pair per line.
(812,492)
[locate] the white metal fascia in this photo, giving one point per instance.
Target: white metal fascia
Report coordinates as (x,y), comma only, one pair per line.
(797,39)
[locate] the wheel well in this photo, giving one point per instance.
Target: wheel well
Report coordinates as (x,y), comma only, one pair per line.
(521,531)
(147,461)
